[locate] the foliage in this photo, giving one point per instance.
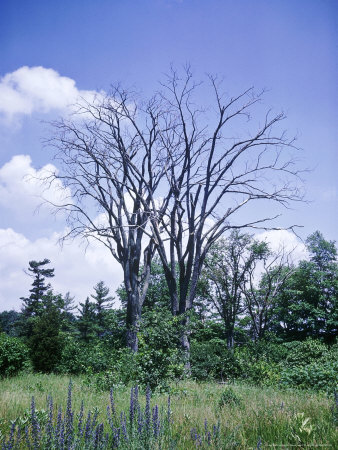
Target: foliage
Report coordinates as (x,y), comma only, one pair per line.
(33,304)
(13,355)
(301,353)
(229,398)
(86,321)
(9,321)
(45,343)
(212,359)
(102,302)
(318,376)
(307,307)
(156,362)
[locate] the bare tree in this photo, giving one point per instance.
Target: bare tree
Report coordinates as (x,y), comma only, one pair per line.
(171,177)
(108,201)
(213,173)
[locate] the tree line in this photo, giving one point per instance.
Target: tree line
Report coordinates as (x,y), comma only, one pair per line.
(246,293)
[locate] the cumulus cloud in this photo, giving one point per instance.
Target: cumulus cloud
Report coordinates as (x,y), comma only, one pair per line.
(36,89)
(278,239)
(76,270)
(22,188)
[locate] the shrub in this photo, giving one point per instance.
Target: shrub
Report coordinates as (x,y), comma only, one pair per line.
(229,398)
(212,359)
(301,353)
(13,355)
(46,342)
(321,376)
(79,357)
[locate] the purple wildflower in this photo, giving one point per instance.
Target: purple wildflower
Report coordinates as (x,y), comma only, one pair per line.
(147,409)
(139,420)
(18,437)
(98,435)
(156,424)
(135,397)
(69,417)
(116,437)
(58,424)
(10,442)
(88,427)
(49,426)
(28,442)
(35,426)
(62,437)
(110,420)
(123,421)
(112,403)
(131,407)
(80,423)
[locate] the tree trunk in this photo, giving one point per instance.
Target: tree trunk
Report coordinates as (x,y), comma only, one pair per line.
(133,320)
(230,340)
(185,344)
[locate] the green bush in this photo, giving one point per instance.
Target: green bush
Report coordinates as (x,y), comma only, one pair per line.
(212,360)
(156,362)
(229,398)
(13,355)
(321,376)
(46,342)
(79,357)
(301,353)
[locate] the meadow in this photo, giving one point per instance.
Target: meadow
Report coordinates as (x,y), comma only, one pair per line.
(198,415)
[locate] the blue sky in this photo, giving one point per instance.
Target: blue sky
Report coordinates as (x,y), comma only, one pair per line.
(52,51)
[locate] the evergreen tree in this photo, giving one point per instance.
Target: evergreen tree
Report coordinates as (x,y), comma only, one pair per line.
(32,305)
(102,302)
(86,321)
(45,343)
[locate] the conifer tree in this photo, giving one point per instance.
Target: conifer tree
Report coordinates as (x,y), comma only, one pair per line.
(32,305)
(102,302)
(86,321)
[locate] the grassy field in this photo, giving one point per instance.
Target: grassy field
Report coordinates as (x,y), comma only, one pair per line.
(247,417)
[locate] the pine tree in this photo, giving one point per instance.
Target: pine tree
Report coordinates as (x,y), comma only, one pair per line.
(86,321)
(102,302)
(33,305)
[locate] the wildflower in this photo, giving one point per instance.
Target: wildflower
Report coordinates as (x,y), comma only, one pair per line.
(112,403)
(35,426)
(80,423)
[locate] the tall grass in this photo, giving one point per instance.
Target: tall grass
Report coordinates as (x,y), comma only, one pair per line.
(246,416)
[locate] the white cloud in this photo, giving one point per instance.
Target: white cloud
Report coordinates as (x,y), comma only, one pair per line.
(22,189)
(36,89)
(76,270)
(278,239)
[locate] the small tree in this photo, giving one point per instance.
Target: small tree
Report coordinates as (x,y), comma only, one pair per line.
(102,302)
(46,343)
(227,268)
(266,278)
(86,322)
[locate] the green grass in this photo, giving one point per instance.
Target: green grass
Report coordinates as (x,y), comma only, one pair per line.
(276,417)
